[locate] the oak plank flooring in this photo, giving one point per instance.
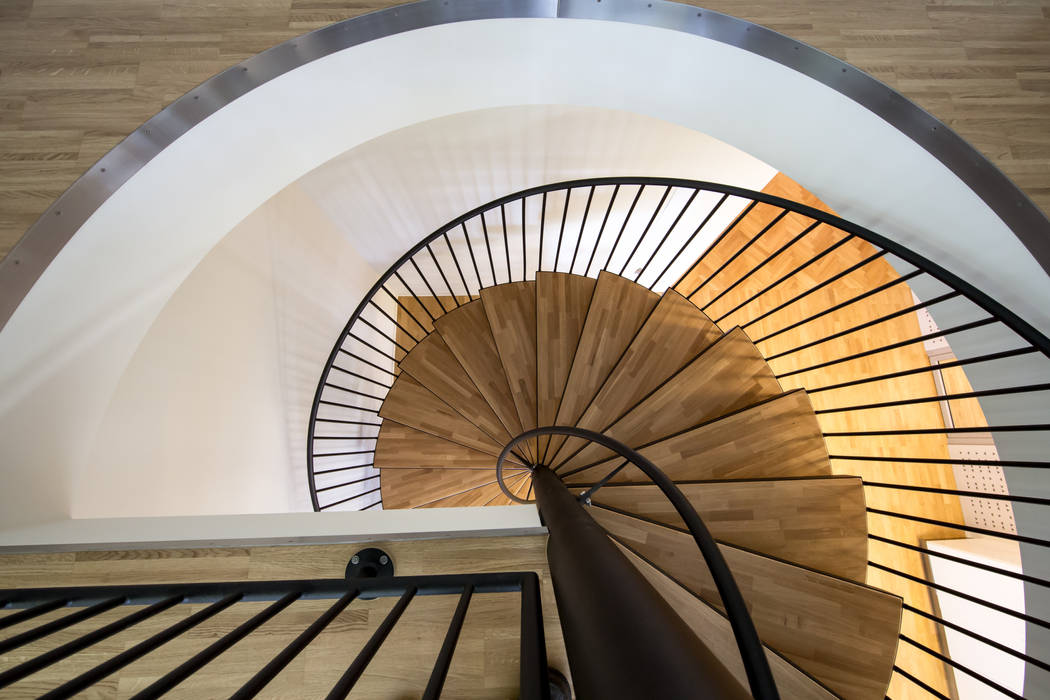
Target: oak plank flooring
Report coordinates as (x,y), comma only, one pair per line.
(400,446)
(433,365)
(774,439)
(729,375)
(842,633)
(511,311)
(712,628)
(818,522)
(408,402)
(618,309)
(675,333)
(485,664)
(562,301)
(467,333)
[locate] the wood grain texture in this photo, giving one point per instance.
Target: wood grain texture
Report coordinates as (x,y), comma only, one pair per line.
(842,633)
(562,301)
(400,446)
(485,664)
(466,332)
(816,522)
(433,365)
(776,438)
(511,311)
(409,403)
(728,376)
(712,628)
(618,309)
(412,488)
(673,335)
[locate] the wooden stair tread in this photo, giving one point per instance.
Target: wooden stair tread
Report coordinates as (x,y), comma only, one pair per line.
(618,309)
(410,403)
(713,628)
(466,332)
(819,522)
(487,495)
(779,437)
(562,301)
(413,488)
(842,633)
(433,365)
(400,446)
(675,333)
(729,375)
(511,312)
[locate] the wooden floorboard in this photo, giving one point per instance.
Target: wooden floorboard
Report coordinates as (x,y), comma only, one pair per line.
(562,301)
(511,311)
(618,310)
(843,633)
(729,375)
(713,629)
(819,522)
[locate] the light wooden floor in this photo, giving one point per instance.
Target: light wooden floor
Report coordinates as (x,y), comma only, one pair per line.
(76,77)
(485,664)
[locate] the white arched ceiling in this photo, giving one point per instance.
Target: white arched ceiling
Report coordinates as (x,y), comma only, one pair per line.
(75,332)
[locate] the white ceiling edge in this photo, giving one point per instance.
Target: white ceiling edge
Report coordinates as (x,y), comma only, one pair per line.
(137,248)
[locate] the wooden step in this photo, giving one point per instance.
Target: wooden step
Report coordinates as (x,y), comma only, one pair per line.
(413,488)
(712,627)
(433,365)
(618,309)
(729,375)
(487,495)
(673,335)
(779,437)
(410,403)
(562,301)
(842,633)
(400,446)
(511,311)
(815,522)
(466,332)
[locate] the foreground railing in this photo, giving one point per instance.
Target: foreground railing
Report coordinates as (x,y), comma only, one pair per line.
(151,601)
(821,298)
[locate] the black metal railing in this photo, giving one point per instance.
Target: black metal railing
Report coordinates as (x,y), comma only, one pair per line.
(799,281)
(150,601)
(756,665)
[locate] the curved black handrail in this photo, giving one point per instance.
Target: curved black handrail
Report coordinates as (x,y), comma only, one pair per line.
(759,675)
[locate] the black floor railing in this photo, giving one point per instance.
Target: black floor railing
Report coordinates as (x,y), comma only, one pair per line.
(150,601)
(664,233)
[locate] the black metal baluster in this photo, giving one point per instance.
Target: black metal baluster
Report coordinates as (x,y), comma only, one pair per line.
(561,231)
(383,334)
(959,560)
(667,234)
(268,672)
(524,249)
(413,294)
(404,308)
(583,225)
(363,361)
(473,259)
(506,242)
(543,222)
(645,231)
(750,242)
(201,659)
(942,397)
(29,614)
(954,664)
(426,283)
(721,237)
(448,647)
(357,667)
(347,483)
(345,469)
(444,279)
(533,684)
(53,626)
(393,320)
(459,270)
(626,220)
(601,231)
(373,348)
(488,248)
(351,498)
(362,377)
(696,232)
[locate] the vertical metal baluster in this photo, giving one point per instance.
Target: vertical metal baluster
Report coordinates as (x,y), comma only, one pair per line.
(455,259)
(630,211)
(506,242)
(583,225)
(444,279)
(342,687)
(30,613)
(426,283)
(645,231)
(473,260)
(404,308)
(268,672)
(534,682)
(448,647)
(543,221)
(561,231)
(41,631)
(696,232)
(412,292)
(751,241)
(524,253)
(601,230)
(721,237)
(392,320)
(488,248)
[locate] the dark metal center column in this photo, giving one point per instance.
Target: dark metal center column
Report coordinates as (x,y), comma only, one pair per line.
(623,639)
